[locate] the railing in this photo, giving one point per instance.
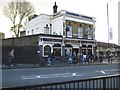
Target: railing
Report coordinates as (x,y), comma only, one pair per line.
(111,82)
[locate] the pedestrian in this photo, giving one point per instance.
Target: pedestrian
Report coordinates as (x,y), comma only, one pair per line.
(66,55)
(11,58)
(111,57)
(100,57)
(49,58)
(53,57)
(84,59)
(70,58)
(81,57)
(89,58)
(74,57)
(78,57)
(108,56)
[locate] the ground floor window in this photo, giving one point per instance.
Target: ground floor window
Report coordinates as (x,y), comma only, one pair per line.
(47,50)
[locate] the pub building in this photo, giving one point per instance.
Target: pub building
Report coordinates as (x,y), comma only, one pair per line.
(62,31)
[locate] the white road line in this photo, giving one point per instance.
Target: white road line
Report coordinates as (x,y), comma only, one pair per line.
(109,70)
(48,75)
(103,72)
(51,76)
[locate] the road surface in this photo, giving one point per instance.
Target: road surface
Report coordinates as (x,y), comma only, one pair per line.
(31,76)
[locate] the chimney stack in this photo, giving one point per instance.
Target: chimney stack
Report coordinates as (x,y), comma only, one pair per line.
(55,8)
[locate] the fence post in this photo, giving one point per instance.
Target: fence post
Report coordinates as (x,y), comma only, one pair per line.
(104,83)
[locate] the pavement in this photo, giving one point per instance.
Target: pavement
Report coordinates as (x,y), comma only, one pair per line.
(58,64)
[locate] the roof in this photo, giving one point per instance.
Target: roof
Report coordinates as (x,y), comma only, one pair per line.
(104,44)
(73,14)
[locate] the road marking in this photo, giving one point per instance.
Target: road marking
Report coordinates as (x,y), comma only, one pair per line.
(109,70)
(51,76)
(103,72)
(74,74)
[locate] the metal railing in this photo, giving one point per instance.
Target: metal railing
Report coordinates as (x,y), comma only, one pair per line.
(111,82)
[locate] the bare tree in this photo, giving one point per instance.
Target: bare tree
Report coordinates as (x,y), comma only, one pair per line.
(17,11)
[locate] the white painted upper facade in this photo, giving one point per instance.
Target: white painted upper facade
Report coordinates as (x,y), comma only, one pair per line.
(53,24)
(36,25)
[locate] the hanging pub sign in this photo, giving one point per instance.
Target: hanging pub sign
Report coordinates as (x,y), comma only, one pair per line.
(67,29)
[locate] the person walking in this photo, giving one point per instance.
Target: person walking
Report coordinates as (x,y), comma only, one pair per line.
(78,57)
(84,59)
(49,58)
(70,58)
(11,58)
(108,56)
(111,57)
(74,57)
(100,57)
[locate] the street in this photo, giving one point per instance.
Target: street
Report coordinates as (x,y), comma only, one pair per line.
(31,76)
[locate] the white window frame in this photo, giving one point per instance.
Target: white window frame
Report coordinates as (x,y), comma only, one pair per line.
(80,32)
(88,30)
(70,32)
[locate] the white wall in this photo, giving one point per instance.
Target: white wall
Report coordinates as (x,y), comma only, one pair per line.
(57,25)
(37,24)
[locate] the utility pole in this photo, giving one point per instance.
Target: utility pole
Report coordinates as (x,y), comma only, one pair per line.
(108,52)
(108,21)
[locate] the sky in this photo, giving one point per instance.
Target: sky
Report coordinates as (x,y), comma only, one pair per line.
(94,8)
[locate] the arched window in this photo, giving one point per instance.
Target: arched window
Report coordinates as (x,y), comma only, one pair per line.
(47,50)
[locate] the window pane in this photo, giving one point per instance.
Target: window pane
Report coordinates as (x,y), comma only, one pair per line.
(88,32)
(80,30)
(69,33)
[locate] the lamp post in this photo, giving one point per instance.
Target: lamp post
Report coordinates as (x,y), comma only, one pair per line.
(63,48)
(80,47)
(80,50)
(94,50)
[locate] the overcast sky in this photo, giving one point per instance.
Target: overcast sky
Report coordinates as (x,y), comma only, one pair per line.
(94,8)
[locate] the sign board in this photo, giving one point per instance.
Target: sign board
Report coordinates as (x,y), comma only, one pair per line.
(110,34)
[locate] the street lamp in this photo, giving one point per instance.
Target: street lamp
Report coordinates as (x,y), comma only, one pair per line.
(80,47)
(63,48)
(95,48)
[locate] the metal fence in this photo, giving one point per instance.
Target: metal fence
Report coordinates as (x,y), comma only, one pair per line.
(111,82)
